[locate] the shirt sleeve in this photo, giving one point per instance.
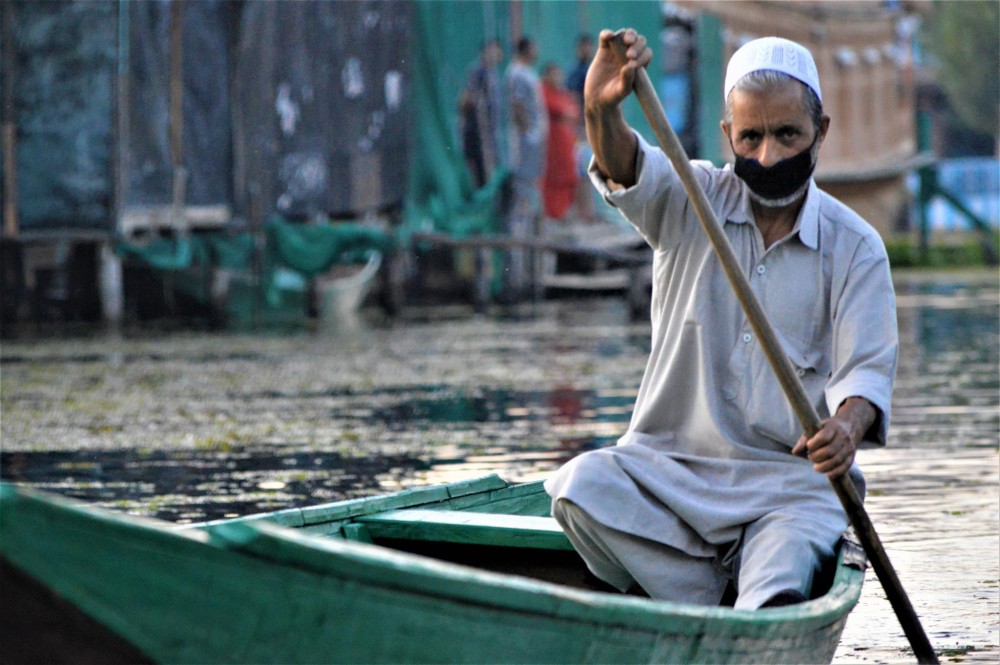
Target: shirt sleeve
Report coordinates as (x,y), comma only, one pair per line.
(656,204)
(865,337)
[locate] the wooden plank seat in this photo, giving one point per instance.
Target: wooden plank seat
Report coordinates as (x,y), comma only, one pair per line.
(455,526)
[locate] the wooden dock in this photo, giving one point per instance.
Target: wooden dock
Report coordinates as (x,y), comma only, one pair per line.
(618,267)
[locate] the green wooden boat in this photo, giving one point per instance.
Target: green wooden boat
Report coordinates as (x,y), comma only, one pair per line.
(470,572)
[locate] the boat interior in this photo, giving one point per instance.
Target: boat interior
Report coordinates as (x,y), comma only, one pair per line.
(528,546)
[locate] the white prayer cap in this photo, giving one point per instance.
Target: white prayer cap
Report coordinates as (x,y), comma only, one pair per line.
(774,53)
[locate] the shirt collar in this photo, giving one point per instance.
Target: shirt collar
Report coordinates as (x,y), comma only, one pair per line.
(808,221)
(807,224)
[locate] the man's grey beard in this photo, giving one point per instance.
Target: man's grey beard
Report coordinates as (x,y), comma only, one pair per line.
(782,202)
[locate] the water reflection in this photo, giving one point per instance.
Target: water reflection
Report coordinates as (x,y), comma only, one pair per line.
(947,382)
(518,397)
(934,493)
(936,512)
(193,426)
(194,485)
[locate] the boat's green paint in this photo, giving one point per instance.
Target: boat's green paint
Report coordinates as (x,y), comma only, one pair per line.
(253,590)
(462,526)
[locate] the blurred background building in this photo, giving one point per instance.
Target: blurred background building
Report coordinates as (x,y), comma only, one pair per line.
(864,55)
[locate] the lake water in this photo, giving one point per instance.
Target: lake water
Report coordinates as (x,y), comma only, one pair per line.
(189,426)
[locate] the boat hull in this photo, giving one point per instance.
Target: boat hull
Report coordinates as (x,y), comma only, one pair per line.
(257,591)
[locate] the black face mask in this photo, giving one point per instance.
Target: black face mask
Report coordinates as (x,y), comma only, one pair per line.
(782,179)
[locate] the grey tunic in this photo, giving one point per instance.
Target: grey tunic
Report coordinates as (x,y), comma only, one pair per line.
(711,431)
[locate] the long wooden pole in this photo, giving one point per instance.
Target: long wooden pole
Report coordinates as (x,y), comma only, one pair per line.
(783,367)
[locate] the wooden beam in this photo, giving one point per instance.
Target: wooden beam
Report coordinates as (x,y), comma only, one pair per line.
(510,242)
(456,526)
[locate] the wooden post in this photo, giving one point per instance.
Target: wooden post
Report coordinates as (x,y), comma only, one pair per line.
(238,137)
(176,103)
(111,284)
(119,163)
(482,289)
(711,68)
(535,268)
(10,219)
(9,124)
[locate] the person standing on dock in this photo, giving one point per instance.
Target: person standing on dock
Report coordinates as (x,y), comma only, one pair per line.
(479,113)
(575,79)
(577,75)
(713,483)
(528,136)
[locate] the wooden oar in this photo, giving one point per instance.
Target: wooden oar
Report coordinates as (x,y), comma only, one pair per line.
(783,367)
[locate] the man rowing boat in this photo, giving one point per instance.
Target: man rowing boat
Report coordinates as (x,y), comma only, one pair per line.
(713,481)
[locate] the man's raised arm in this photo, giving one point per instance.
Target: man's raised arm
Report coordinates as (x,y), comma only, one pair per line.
(609,82)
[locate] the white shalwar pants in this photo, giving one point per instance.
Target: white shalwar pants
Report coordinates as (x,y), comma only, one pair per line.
(769,560)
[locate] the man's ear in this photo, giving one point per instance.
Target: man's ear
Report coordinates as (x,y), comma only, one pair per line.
(824,127)
(724,126)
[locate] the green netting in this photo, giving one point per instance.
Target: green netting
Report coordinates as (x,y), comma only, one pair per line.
(441,196)
(164,254)
(555,26)
(231,252)
(447,39)
(312,249)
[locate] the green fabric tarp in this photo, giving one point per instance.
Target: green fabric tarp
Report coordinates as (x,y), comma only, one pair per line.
(292,253)
(164,254)
(183,252)
(440,195)
(310,249)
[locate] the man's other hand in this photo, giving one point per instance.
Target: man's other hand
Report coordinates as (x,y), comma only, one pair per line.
(832,448)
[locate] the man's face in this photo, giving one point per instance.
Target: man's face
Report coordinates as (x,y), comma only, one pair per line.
(771,126)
